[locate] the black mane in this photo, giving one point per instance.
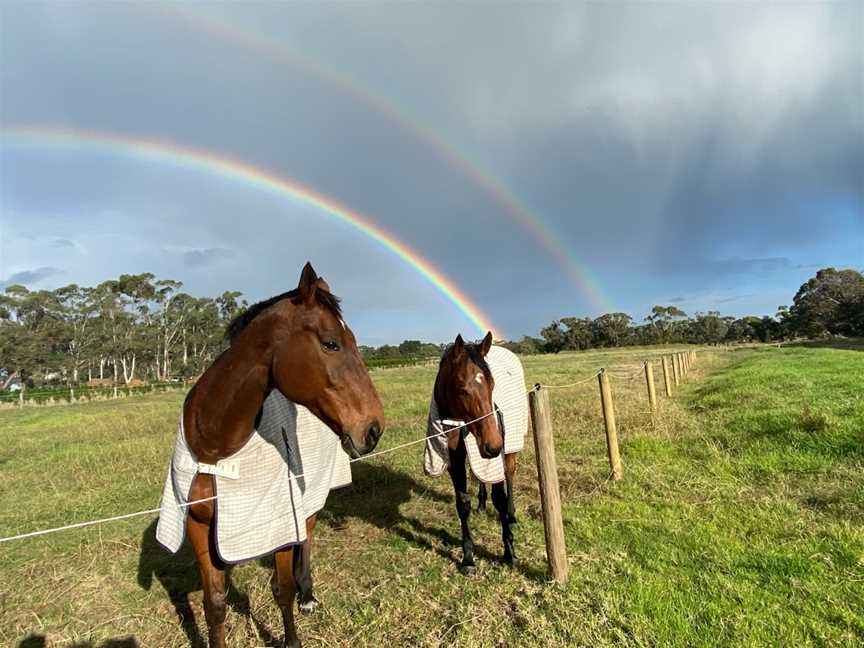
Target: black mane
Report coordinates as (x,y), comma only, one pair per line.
(238,324)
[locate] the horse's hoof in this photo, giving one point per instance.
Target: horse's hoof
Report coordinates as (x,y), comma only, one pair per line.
(291,644)
(308,607)
(481,508)
(468,570)
(509,560)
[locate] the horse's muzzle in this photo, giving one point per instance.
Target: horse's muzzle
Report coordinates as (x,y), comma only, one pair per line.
(488,451)
(372,435)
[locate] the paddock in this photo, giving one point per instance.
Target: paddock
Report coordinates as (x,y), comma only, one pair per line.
(737,510)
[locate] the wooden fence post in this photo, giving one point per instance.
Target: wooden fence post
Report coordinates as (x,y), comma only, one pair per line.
(676,372)
(667,379)
(611,429)
(550,493)
(649,379)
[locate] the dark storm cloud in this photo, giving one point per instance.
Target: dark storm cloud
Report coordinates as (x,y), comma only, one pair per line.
(669,148)
(30,277)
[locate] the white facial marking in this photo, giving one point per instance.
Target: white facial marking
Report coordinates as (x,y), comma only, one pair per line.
(479,378)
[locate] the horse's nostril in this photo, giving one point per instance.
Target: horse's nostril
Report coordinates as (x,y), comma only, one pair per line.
(374,432)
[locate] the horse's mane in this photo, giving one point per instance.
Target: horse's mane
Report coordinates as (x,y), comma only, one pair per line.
(240,322)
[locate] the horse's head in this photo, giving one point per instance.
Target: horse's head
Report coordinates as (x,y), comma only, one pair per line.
(316,363)
(463,391)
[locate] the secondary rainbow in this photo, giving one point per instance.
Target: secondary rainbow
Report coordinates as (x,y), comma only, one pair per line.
(578,273)
(252,176)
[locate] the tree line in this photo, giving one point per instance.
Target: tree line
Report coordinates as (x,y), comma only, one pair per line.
(829,304)
(123,331)
(139,328)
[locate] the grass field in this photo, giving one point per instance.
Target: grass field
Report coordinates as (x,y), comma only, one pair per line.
(739,522)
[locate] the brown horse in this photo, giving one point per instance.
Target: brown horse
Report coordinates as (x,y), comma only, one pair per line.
(297,343)
(463,391)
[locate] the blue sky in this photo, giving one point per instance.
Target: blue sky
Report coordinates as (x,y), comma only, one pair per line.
(710,156)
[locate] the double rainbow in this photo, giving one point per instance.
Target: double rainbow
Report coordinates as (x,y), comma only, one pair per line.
(577,272)
(255,177)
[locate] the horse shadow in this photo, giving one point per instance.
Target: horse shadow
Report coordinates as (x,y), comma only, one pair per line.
(178,575)
(376,496)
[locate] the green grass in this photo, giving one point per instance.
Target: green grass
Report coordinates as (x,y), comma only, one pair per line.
(738,521)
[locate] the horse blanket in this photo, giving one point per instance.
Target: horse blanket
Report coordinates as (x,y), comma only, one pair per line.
(266,490)
(511,401)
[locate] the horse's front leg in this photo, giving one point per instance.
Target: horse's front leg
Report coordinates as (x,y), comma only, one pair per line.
(303,570)
(502,498)
(509,474)
(284,591)
(499,499)
(200,531)
(463,506)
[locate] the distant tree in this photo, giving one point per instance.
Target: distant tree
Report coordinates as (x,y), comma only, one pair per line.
(662,320)
(708,328)
(832,302)
(229,305)
(526,346)
(579,333)
(410,347)
(388,351)
(554,339)
(611,329)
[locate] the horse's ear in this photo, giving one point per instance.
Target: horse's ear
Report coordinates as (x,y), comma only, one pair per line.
(486,344)
(323,285)
(459,345)
(308,285)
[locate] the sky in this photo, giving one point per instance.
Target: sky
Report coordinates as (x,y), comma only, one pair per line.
(545,160)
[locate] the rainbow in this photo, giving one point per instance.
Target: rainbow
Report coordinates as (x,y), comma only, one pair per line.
(577,272)
(161,152)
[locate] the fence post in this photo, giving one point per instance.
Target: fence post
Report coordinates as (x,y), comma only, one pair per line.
(667,379)
(611,428)
(550,493)
(676,370)
(21,395)
(649,379)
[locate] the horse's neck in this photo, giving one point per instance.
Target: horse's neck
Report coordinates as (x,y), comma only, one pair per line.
(219,416)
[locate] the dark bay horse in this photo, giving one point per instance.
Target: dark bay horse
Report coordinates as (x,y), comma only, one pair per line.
(463,391)
(297,343)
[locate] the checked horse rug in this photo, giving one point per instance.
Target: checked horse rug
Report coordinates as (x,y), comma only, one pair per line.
(266,490)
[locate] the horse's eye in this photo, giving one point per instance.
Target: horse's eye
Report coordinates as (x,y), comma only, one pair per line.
(330,345)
